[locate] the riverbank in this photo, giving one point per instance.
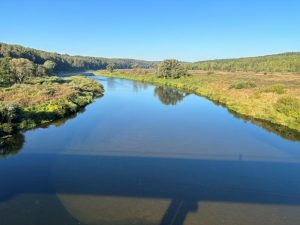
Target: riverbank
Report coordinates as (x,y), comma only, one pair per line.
(43,100)
(274,98)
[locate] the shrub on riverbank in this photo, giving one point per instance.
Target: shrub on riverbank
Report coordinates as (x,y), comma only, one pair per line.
(42,100)
(9,116)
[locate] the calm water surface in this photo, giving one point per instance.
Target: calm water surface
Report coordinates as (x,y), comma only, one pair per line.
(153,156)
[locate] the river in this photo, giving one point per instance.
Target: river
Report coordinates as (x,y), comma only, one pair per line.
(150,155)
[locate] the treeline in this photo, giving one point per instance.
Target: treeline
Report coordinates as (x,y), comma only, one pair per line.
(15,57)
(66,62)
(287,62)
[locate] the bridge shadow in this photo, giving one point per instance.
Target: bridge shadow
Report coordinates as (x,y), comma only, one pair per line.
(185,182)
(177,212)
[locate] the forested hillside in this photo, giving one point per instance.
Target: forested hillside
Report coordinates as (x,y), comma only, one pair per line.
(67,62)
(287,62)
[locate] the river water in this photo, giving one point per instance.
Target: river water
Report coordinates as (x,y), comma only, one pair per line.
(150,155)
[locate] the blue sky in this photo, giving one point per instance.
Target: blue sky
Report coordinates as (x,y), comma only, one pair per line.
(188,30)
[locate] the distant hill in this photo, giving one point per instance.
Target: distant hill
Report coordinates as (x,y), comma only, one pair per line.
(286,62)
(66,62)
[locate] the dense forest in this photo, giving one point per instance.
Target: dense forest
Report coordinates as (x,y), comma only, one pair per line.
(287,62)
(42,62)
(63,62)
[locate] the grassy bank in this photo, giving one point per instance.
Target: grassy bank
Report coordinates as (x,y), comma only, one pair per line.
(43,100)
(265,97)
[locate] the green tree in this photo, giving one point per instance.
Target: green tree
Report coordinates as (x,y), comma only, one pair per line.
(49,66)
(5,71)
(110,67)
(40,71)
(9,113)
(171,69)
(21,69)
(135,66)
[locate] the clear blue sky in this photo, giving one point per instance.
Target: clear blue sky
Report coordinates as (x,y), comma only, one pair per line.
(153,29)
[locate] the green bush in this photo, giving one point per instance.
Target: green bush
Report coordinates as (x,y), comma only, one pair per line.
(243,85)
(27,124)
(7,128)
(9,113)
(81,101)
(44,80)
(289,106)
(171,69)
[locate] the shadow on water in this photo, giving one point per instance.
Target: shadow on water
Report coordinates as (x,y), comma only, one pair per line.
(95,186)
(177,212)
(185,182)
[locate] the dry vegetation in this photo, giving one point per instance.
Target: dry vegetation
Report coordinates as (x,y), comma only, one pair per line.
(26,95)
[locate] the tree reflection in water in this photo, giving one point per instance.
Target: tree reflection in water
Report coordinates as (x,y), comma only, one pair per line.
(169,96)
(11,145)
(139,86)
